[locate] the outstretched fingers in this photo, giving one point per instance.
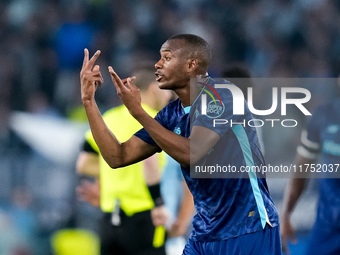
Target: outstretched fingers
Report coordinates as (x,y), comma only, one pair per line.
(116,80)
(97,74)
(122,85)
(125,80)
(91,62)
(130,83)
(86,58)
(88,64)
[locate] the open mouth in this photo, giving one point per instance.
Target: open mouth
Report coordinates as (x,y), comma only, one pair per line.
(158,77)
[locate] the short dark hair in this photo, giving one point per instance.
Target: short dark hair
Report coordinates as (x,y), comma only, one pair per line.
(198,47)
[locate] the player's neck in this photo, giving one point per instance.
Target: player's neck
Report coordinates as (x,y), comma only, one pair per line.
(184,95)
(189,93)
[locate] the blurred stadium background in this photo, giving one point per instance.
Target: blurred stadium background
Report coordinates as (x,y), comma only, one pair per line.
(41,117)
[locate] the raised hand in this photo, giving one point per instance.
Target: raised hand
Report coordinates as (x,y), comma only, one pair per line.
(127,91)
(90,76)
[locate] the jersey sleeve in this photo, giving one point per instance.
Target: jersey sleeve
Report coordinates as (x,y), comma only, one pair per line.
(144,135)
(310,137)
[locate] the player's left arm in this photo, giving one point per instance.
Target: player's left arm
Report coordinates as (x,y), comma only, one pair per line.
(185,151)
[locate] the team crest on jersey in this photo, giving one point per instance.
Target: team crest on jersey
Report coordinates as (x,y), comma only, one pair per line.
(177,130)
(215,110)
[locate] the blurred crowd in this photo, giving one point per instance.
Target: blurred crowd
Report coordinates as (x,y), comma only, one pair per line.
(41,51)
(42,42)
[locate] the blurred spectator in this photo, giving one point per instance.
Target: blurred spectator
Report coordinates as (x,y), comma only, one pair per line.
(73,36)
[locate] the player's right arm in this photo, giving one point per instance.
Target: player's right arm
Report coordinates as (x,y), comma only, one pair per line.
(116,154)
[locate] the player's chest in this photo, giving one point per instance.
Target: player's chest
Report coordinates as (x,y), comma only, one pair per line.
(181,125)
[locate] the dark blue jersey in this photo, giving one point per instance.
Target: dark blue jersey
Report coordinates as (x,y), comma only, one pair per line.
(322,138)
(226,207)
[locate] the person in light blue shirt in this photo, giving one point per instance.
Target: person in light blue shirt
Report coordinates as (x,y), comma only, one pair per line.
(179,203)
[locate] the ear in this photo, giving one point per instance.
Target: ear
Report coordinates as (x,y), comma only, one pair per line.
(192,65)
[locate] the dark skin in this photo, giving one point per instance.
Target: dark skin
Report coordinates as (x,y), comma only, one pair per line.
(293,191)
(174,70)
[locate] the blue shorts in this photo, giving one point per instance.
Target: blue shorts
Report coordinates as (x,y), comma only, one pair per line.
(266,242)
(324,241)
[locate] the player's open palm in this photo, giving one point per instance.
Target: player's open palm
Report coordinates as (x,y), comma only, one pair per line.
(90,76)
